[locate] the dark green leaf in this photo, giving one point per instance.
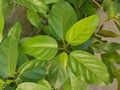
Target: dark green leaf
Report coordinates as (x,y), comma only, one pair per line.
(36,5)
(57,73)
(111,7)
(41,47)
(1,22)
(82,30)
(42,85)
(33,70)
(106,33)
(22,57)
(33,18)
(62,17)
(88,68)
(77,3)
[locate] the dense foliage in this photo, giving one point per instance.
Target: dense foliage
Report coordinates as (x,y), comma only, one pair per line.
(62,56)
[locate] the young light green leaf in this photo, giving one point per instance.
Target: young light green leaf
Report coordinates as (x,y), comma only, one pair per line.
(33,70)
(106,33)
(59,23)
(51,1)
(41,47)
(58,71)
(82,30)
(36,5)
(42,85)
(64,59)
(1,21)
(111,7)
(90,69)
(33,18)
(9,52)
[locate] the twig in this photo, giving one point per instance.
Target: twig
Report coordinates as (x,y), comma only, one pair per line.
(97,4)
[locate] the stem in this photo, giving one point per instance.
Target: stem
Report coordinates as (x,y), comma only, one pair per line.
(97,4)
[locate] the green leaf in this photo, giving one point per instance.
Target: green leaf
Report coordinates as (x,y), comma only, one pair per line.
(88,68)
(9,53)
(51,1)
(8,6)
(77,3)
(82,30)
(41,47)
(1,21)
(33,70)
(62,17)
(36,5)
(111,7)
(88,7)
(22,57)
(57,73)
(15,30)
(43,85)
(64,59)
(74,83)
(106,33)
(1,84)
(33,18)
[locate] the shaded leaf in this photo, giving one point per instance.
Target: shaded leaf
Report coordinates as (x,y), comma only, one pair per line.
(106,33)
(41,47)
(1,84)
(33,70)
(59,23)
(111,7)
(57,73)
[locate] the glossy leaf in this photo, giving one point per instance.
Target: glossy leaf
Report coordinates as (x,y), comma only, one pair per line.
(64,59)
(106,33)
(1,21)
(111,7)
(51,1)
(82,30)
(36,5)
(43,85)
(57,73)
(59,23)
(33,70)
(88,68)
(74,83)
(41,47)
(9,53)
(33,18)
